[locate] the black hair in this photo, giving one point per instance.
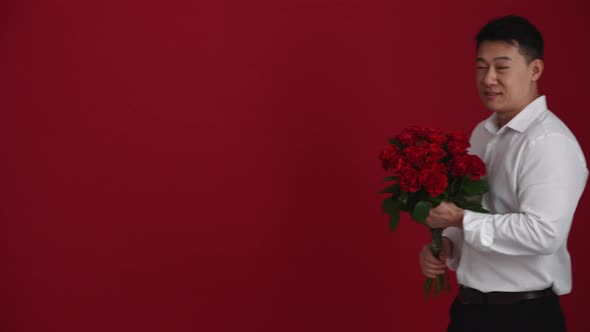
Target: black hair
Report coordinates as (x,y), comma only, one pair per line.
(514,30)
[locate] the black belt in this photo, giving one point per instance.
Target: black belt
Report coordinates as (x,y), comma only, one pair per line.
(469,295)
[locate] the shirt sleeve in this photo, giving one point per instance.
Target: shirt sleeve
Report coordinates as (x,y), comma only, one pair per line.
(454,234)
(550,180)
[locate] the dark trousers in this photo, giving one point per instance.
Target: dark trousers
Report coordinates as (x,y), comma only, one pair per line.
(543,314)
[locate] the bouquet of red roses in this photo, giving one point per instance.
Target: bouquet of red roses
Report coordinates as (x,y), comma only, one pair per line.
(427,167)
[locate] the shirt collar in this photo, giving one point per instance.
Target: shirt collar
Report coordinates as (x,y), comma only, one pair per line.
(522,120)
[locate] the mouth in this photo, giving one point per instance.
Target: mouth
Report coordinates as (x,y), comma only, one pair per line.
(492,95)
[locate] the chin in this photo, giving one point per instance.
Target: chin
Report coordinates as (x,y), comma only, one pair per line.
(492,107)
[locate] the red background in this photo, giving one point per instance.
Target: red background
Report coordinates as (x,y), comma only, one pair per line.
(212,165)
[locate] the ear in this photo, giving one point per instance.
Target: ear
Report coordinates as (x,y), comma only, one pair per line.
(536,68)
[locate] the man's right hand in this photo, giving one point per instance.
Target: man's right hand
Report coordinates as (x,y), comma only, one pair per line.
(430,265)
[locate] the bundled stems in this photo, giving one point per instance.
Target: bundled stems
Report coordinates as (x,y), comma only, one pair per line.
(439,281)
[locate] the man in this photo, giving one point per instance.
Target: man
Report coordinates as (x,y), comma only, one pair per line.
(513,263)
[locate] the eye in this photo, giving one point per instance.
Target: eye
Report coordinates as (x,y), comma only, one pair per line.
(503,68)
(481,67)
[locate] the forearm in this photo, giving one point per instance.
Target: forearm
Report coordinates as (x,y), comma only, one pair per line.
(516,233)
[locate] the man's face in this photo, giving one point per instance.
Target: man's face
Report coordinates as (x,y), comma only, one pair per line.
(505,80)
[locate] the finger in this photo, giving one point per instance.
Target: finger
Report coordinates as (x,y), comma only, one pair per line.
(433,273)
(429,273)
(430,221)
(433,260)
(439,207)
(435,267)
(431,270)
(436,263)
(445,204)
(436,270)
(426,253)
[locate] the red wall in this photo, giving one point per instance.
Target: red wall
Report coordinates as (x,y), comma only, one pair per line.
(212,165)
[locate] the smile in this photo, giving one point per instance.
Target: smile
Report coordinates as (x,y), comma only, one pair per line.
(492,95)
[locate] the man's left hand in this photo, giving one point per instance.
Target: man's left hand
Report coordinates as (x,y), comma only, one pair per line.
(445,215)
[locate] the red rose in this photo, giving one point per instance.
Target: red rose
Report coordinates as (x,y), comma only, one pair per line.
(458,147)
(389,156)
(435,152)
(457,136)
(435,136)
(460,165)
(436,184)
(437,167)
(477,168)
(418,131)
(416,155)
(410,180)
(412,135)
(468,165)
(406,138)
(401,165)
(434,179)
(424,174)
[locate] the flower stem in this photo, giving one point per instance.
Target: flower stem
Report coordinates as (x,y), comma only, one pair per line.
(439,281)
(436,234)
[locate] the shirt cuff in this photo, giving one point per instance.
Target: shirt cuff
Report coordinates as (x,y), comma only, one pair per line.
(456,236)
(478,230)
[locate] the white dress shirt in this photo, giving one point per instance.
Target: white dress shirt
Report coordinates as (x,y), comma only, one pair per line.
(536,172)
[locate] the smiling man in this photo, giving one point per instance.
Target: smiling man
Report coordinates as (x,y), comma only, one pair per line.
(512,264)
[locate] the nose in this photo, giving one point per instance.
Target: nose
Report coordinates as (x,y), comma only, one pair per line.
(490,77)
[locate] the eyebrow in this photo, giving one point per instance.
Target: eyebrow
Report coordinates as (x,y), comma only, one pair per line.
(495,59)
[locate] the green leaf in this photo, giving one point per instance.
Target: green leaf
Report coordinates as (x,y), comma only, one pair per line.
(394,221)
(394,189)
(421,211)
(436,200)
(471,206)
(393,141)
(388,205)
(474,187)
(391,207)
(477,209)
(390,178)
(403,197)
(437,284)
(458,199)
(427,285)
